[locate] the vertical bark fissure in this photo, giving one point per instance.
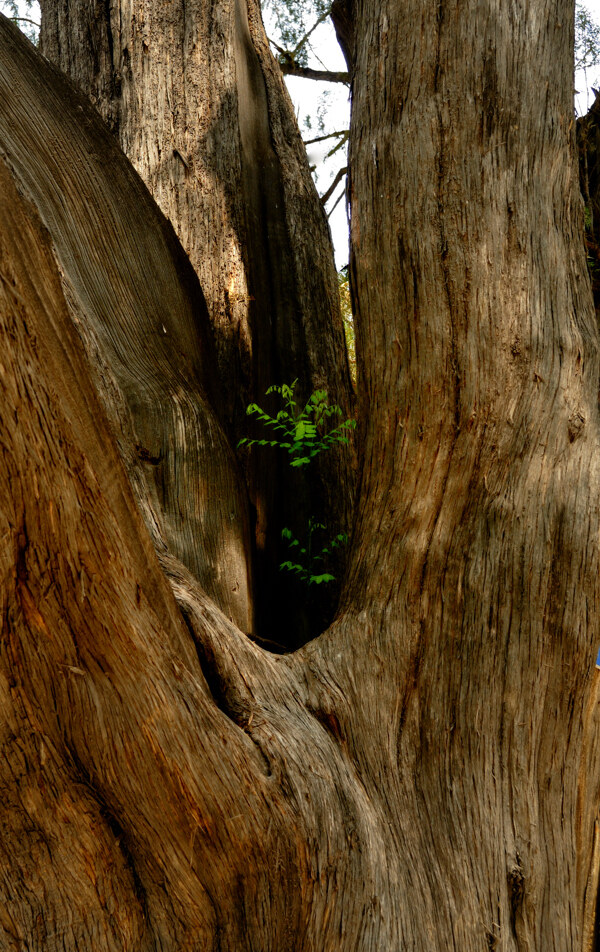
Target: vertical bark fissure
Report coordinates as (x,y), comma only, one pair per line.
(110,45)
(592,897)
(117,831)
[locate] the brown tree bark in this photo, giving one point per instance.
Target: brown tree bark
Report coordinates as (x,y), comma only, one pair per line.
(478,373)
(200,107)
(425,774)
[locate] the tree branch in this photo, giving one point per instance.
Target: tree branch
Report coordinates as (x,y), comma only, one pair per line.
(330,135)
(25,20)
(289,68)
(325,198)
(304,39)
(335,204)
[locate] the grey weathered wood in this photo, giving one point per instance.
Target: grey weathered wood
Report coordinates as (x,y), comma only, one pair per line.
(478,374)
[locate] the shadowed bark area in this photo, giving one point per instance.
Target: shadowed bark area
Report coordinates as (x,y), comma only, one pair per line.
(343,18)
(141,314)
(588,143)
(200,107)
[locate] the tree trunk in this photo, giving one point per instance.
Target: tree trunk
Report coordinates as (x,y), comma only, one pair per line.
(425,774)
(478,374)
(200,107)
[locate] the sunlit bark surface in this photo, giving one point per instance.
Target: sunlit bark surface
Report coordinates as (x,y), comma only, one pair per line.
(425,774)
(479,502)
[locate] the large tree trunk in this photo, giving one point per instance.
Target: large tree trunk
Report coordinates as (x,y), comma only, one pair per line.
(200,107)
(425,774)
(478,375)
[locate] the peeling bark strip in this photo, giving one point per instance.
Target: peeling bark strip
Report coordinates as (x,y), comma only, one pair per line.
(200,107)
(425,776)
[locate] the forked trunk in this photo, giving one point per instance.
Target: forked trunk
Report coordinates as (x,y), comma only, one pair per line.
(425,774)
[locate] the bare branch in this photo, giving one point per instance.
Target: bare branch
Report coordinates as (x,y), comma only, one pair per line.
(325,198)
(304,39)
(339,145)
(330,135)
(336,203)
(24,20)
(279,48)
(289,68)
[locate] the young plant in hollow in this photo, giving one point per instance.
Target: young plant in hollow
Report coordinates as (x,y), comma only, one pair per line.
(307,569)
(301,432)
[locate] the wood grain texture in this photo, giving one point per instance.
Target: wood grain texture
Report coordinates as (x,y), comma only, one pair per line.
(480,494)
(181,811)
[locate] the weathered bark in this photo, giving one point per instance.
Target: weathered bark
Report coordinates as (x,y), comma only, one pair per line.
(200,107)
(478,373)
(140,812)
(426,774)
